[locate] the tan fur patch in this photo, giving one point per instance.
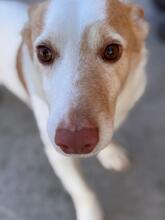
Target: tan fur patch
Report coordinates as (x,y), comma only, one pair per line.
(20,69)
(34,26)
(32,29)
(93,84)
(102,83)
(128,21)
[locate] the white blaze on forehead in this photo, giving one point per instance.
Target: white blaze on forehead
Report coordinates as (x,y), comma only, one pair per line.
(67,19)
(64,25)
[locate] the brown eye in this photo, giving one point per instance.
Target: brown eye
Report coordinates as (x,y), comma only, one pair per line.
(112,52)
(45,54)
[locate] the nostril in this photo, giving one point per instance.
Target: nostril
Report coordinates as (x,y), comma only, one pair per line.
(77,142)
(87,148)
(66,149)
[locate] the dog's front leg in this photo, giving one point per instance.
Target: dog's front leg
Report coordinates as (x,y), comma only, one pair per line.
(114,157)
(68,170)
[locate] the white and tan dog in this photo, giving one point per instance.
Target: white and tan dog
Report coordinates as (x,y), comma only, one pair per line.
(80,66)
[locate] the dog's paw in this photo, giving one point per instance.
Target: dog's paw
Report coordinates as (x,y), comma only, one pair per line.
(115,158)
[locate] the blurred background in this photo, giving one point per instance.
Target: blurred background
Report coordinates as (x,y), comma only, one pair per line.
(29,190)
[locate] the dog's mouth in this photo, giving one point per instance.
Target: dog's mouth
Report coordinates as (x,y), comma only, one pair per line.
(87,149)
(78,155)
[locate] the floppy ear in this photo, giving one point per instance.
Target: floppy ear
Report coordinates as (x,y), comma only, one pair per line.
(140,25)
(27,30)
(34,25)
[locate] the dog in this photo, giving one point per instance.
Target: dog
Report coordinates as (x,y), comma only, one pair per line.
(80,67)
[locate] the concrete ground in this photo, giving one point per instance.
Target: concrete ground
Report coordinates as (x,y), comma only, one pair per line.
(29,190)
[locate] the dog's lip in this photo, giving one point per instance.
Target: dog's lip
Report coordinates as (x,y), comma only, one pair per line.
(93,153)
(79,155)
(70,152)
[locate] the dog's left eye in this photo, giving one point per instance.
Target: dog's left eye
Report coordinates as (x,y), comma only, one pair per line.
(112,53)
(45,54)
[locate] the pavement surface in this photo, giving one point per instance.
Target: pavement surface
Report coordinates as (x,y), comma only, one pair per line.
(29,190)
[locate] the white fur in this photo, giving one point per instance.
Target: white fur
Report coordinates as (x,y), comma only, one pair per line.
(114,157)
(133,90)
(85,201)
(73,15)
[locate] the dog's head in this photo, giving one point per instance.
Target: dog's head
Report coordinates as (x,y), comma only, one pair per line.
(84,52)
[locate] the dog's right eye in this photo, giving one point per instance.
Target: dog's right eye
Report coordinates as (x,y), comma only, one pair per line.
(112,53)
(45,54)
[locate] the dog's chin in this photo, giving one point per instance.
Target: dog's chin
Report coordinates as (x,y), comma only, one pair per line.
(77,156)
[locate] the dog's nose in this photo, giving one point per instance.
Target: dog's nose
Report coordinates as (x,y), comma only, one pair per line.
(77,142)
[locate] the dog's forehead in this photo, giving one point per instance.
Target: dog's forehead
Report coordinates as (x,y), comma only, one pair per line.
(72,20)
(86,10)
(73,15)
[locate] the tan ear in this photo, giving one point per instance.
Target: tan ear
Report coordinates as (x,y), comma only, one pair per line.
(27,30)
(34,25)
(37,16)
(141,26)
(27,37)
